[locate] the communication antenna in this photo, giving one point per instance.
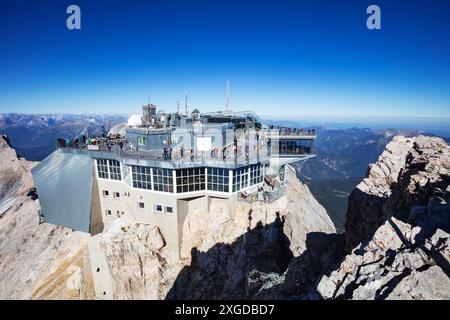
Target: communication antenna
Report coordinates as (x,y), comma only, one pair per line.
(178,106)
(185,102)
(228,95)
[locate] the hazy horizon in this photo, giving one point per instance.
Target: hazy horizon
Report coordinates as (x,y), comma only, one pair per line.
(433,125)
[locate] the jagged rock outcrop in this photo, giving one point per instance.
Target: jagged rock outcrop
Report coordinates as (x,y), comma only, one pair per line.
(138,261)
(14,175)
(365,203)
(401,215)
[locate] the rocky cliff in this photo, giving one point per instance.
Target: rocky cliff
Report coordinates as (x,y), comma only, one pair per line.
(36,260)
(365,204)
(398,224)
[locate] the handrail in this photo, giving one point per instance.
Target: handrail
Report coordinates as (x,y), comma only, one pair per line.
(268,196)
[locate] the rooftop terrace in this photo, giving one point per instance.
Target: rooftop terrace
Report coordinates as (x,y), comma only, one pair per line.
(240,151)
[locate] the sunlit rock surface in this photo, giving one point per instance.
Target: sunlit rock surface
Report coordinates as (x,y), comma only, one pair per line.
(400,214)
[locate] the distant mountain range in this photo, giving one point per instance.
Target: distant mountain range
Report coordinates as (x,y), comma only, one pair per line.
(341,163)
(34,136)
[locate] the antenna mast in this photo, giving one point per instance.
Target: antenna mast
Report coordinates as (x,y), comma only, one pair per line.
(178,106)
(228,95)
(185,102)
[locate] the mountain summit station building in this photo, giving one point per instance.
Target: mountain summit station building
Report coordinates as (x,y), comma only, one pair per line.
(159,166)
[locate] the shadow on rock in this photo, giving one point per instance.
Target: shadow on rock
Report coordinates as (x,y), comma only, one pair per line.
(258,265)
(322,255)
(223,271)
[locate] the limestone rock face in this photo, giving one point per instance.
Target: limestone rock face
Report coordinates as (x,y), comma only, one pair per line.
(37,261)
(306,214)
(138,262)
(365,203)
(407,255)
(392,265)
(13,172)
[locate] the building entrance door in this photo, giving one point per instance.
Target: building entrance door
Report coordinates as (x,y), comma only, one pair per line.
(244,179)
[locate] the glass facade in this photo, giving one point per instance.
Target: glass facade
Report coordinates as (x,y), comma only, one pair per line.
(192,179)
(218,179)
(162,180)
(256,174)
(240,178)
(187,180)
(295,146)
(142,177)
(114,170)
(102,168)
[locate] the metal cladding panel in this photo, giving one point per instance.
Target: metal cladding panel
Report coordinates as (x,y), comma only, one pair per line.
(64,186)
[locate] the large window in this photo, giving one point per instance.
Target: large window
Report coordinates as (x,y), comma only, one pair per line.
(255,174)
(189,180)
(102,168)
(240,178)
(295,146)
(141,177)
(218,179)
(162,179)
(114,170)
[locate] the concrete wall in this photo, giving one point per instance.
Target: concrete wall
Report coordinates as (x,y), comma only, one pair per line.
(96,211)
(101,274)
(126,208)
(187,205)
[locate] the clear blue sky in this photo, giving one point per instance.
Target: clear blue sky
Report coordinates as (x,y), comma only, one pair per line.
(285,59)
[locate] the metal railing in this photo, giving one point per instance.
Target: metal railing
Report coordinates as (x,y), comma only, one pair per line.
(177,156)
(267,196)
(246,152)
